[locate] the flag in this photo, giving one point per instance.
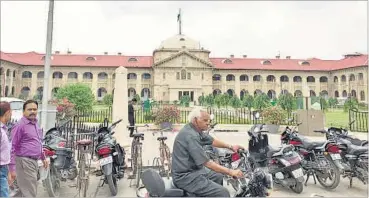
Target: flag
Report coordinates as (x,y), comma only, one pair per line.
(179,15)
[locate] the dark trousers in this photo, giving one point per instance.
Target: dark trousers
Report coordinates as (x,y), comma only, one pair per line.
(209,185)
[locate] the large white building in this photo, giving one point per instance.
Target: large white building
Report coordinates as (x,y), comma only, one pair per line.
(180,66)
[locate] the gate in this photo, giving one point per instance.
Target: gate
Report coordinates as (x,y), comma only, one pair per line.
(359,119)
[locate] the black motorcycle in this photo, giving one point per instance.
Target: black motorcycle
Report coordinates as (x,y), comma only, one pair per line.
(62,165)
(343,134)
(157,186)
(111,157)
(284,164)
(321,159)
(354,158)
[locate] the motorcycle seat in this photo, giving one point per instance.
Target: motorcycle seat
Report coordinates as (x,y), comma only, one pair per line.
(158,186)
(310,145)
(162,138)
(357,150)
(272,151)
(136,135)
(84,142)
(171,190)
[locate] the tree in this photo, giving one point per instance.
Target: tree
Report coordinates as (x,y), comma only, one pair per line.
(248,101)
(185,100)
(235,102)
(79,94)
(209,99)
(323,103)
(218,100)
(350,103)
(287,102)
(108,100)
(202,100)
(261,101)
(332,102)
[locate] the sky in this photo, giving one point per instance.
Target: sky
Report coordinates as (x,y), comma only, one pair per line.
(300,29)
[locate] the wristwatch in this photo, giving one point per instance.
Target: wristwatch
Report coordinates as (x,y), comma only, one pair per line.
(230,147)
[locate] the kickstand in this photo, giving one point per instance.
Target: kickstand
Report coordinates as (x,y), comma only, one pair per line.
(307,178)
(350,186)
(100,185)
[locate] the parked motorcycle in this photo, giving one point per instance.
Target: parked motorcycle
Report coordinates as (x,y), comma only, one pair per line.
(354,158)
(284,164)
(319,159)
(62,165)
(156,186)
(111,157)
(343,134)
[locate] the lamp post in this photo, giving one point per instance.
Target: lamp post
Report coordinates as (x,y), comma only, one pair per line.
(49,39)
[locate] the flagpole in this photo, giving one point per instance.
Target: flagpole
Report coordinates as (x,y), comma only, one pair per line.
(49,39)
(180,21)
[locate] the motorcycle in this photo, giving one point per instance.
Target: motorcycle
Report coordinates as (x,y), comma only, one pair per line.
(284,164)
(319,159)
(111,157)
(343,134)
(157,186)
(354,158)
(62,166)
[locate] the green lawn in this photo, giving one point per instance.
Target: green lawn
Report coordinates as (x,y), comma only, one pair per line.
(336,118)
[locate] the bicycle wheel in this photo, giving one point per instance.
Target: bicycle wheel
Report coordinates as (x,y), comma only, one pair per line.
(82,182)
(139,165)
(133,157)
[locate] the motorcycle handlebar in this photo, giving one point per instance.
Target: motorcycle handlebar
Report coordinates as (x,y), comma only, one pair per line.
(320,131)
(115,123)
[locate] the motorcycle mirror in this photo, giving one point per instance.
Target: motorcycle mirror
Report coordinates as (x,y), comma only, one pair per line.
(211,116)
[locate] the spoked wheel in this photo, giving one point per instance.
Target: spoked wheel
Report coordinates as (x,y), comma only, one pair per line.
(332,174)
(52,182)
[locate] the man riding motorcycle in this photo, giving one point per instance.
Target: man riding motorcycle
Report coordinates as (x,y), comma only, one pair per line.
(192,170)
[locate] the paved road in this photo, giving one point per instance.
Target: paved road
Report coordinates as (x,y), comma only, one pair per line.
(151,149)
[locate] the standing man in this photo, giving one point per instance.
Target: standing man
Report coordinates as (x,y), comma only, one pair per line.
(5,116)
(131,116)
(27,150)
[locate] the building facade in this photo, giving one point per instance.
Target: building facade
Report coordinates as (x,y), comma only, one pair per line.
(180,66)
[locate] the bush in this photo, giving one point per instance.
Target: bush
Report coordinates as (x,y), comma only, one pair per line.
(108,100)
(167,114)
(79,94)
(273,115)
(65,109)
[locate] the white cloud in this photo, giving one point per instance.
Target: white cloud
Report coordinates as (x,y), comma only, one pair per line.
(259,29)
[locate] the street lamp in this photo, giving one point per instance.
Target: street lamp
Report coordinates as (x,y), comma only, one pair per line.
(49,39)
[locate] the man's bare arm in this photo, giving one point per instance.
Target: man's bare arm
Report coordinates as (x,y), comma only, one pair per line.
(220,144)
(217,168)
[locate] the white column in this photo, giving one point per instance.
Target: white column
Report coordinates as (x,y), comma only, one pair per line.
(120,106)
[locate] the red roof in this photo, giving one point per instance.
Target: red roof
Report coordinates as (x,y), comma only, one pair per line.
(36,59)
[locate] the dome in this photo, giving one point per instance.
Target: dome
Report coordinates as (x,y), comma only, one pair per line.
(178,41)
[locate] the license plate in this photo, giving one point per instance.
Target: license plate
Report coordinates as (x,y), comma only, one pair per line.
(298,173)
(106,160)
(235,164)
(335,156)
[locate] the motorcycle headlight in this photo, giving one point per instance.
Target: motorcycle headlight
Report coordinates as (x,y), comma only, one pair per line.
(256,130)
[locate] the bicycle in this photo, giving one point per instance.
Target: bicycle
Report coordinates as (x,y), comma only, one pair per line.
(165,155)
(84,146)
(136,154)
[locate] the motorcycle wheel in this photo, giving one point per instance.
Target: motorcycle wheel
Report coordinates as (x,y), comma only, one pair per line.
(52,183)
(112,182)
(298,188)
(337,177)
